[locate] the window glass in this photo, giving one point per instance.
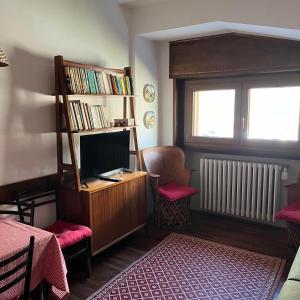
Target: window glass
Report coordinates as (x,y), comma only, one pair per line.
(274,113)
(213,113)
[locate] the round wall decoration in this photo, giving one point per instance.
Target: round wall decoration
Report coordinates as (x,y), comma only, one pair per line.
(149,93)
(149,119)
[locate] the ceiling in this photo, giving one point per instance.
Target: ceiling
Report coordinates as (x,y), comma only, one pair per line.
(210,28)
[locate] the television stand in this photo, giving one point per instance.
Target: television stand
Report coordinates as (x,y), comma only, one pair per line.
(113,210)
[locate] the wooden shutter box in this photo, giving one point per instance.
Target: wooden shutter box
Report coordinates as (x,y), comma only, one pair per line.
(232,54)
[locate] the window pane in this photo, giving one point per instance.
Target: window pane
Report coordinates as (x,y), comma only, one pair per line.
(274,113)
(213,113)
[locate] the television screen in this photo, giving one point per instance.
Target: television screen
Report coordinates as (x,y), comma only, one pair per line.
(101,153)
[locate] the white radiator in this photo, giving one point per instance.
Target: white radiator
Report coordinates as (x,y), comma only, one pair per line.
(245,189)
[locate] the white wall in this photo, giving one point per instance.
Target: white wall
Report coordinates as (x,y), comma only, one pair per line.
(165,88)
(32,33)
(146,71)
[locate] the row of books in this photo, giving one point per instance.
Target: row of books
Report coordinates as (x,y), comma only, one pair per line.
(87,117)
(86,81)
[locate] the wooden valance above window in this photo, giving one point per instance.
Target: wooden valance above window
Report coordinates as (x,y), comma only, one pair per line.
(232,54)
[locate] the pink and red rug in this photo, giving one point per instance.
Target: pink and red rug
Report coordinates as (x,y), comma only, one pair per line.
(188,267)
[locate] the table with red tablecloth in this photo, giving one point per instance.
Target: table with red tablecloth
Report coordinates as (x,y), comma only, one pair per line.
(48,262)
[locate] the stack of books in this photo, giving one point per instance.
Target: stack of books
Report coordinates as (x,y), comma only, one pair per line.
(88,117)
(86,81)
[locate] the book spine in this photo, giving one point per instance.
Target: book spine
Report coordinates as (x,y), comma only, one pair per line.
(71,119)
(102,82)
(129,92)
(86,125)
(98,116)
(111,91)
(90,116)
(96,82)
(73,111)
(95,118)
(87,115)
(82,76)
(113,83)
(86,81)
(119,91)
(92,82)
(78,115)
(123,85)
(106,79)
(81,115)
(80,83)
(74,89)
(106,116)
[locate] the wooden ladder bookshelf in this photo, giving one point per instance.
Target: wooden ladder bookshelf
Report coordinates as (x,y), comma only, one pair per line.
(63,111)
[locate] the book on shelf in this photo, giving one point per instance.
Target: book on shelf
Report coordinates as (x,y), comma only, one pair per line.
(87,81)
(88,117)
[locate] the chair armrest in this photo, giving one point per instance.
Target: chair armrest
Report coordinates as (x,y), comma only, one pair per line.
(154,184)
(154,176)
(290,185)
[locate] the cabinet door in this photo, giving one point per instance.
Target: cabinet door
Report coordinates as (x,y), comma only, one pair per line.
(117,210)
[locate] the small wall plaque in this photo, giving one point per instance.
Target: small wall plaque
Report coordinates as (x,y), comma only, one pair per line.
(149,119)
(149,93)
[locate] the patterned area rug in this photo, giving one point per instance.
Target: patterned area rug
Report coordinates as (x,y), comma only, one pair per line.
(187,267)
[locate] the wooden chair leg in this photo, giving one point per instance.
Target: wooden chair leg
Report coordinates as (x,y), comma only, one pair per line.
(45,288)
(88,258)
(146,230)
(293,238)
(158,213)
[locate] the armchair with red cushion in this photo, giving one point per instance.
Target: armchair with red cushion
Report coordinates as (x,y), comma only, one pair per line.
(291,214)
(170,183)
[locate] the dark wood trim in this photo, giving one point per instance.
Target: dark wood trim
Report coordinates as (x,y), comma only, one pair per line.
(232,54)
(8,191)
(175,112)
(179,120)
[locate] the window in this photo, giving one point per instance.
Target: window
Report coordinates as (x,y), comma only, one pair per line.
(274,113)
(213,113)
(244,114)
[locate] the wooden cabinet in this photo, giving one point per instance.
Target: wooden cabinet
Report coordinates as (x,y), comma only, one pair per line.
(112,210)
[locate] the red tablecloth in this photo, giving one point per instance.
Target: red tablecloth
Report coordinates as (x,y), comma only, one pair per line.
(48,261)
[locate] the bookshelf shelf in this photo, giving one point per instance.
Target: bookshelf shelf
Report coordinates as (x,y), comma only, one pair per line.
(100,130)
(100,95)
(71,76)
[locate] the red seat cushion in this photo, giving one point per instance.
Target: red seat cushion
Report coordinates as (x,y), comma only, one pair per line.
(69,234)
(173,191)
(290,213)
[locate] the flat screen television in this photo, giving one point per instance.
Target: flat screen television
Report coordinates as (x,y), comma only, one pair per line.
(102,153)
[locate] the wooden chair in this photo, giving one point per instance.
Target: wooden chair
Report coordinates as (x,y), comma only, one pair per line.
(74,239)
(25,274)
(25,210)
(291,214)
(170,183)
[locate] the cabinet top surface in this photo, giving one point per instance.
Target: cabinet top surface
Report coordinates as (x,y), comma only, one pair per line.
(94,185)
